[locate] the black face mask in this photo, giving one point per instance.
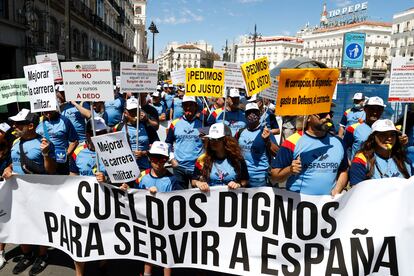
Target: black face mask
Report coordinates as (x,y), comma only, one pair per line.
(252,119)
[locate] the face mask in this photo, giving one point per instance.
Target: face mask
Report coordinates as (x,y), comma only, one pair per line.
(357,106)
(252,119)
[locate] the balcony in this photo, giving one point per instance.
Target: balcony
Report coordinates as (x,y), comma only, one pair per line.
(115,5)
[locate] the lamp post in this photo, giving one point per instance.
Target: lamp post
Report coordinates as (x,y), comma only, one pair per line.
(153,29)
(255,36)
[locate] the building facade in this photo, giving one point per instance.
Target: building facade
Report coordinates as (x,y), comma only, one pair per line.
(276,48)
(402,38)
(140,37)
(99,30)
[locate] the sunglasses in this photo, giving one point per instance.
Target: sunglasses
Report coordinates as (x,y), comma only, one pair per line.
(155,159)
(324,115)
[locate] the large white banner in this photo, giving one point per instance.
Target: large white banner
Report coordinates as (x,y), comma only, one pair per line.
(53,59)
(41,87)
(233,76)
(139,77)
(263,231)
(88,81)
(115,153)
(178,77)
(401,80)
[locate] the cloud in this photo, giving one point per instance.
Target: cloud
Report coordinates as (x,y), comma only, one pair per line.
(286,32)
(186,16)
(249,1)
(342,3)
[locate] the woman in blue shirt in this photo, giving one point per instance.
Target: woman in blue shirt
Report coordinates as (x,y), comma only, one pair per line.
(381,156)
(222,163)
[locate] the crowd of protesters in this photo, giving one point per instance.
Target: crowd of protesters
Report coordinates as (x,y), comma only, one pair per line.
(200,151)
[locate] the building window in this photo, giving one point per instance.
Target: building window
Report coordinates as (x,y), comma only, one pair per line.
(4,9)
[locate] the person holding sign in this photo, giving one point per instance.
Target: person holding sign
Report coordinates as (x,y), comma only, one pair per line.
(353,115)
(381,155)
(115,108)
(234,116)
(159,105)
(222,163)
(183,137)
(313,162)
(31,154)
(256,142)
(267,116)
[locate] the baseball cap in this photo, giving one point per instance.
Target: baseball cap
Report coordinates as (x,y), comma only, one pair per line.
(383,126)
(99,124)
(4,127)
(375,101)
(132,103)
(358,96)
(160,148)
(252,98)
(159,88)
(156,94)
(252,106)
(189,99)
(234,93)
(165,85)
(171,85)
(182,89)
(25,116)
(218,130)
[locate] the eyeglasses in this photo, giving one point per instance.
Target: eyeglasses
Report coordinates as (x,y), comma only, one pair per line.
(155,159)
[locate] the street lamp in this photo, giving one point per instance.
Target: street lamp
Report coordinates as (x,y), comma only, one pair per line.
(153,29)
(254,36)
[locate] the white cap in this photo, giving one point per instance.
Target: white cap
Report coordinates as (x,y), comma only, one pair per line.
(61,88)
(252,106)
(182,89)
(218,130)
(156,94)
(23,116)
(99,124)
(234,93)
(160,148)
(383,125)
(171,85)
(159,87)
(272,107)
(252,98)
(4,127)
(375,101)
(165,85)
(358,96)
(132,103)
(189,99)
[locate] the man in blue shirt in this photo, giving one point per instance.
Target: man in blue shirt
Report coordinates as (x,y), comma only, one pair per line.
(353,115)
(159,106)
(183,137)
(114,109)
(314,162)
(177,110)
(256,142)
(31,154)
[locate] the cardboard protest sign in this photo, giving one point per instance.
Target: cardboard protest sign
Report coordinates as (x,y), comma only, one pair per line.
(271,92)
(402,80)
(115,153)
(204,82)
(53,59)
(139,77)
(305,91)
(233,76)
(13,90)
(41,87)
(178,77)
(256,75)
(88,81)
(249,232)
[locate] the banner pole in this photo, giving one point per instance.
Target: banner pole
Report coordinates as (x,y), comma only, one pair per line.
(138,116)
(405,118)
(94,134)
(225,105)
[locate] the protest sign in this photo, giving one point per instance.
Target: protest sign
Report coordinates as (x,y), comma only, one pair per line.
(115,153)
(233,76)
(53,59)
(401,80)
(13,90)
(305,91)
(139,77)
(271,92)
(178,77)
(256,75)
(118,81)
(41,87)
(88,81)
(204,82)
(258,231)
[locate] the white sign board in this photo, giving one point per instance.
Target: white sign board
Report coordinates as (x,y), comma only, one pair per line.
(178,77)
(233,76)
(402,80)
(53,59)
(88,81)
(115,153)
(249,232)
(139,77)
(41,87)
(271,92)
(118,81)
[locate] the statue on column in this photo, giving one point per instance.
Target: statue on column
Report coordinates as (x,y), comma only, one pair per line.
(31,21)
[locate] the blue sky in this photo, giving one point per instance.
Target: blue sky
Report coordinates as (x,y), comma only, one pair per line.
(217,20)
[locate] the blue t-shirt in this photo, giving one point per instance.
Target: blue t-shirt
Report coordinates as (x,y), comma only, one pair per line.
(168,100)
(167,183)
(268,119)
(234,119)
(222,172)
(383,168)
(160,107)
(352,116)
(177,105)
(321,158)
(143,141)
(83,162)
(188,145)
(32,151)
(72,113)
(254,151)
(355,136)
(114,109)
